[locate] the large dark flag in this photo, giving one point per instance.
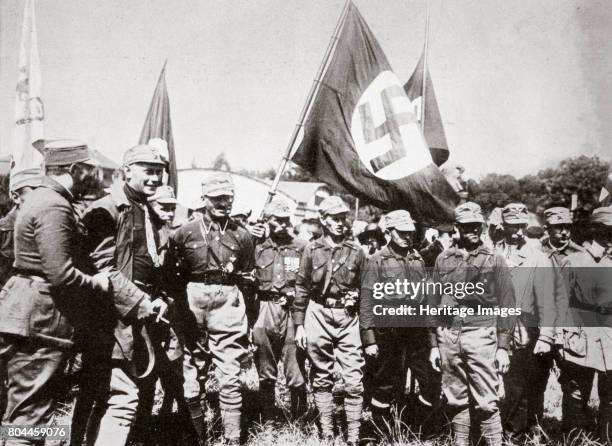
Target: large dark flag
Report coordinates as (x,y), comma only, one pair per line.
(361,135)
(605,197)
(157,129)
(433,130)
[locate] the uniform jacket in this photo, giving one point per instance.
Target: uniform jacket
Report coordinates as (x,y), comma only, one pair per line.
(385,266)
(589,341)
(277,265)
(54,294)
(326,270)
(533,277)
(7,247)
(109,222)
(482,265)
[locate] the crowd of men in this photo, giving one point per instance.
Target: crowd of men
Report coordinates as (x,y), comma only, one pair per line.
(217,303)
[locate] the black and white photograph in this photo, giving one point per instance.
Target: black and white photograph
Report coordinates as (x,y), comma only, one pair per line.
(305,222)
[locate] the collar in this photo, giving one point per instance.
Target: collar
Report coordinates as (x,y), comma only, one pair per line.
(268,243)
(460,252)
(50,183)
(118,195)
(208,222)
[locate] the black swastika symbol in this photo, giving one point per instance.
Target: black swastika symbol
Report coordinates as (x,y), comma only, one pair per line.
(391,126)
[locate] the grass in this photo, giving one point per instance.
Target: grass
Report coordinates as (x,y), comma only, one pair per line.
(280,433)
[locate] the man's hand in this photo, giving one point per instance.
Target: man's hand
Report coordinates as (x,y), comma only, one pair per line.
(502,361)
(541,348)
(371,351)
(257,230)
(434,358)
(300,337)
(101,281)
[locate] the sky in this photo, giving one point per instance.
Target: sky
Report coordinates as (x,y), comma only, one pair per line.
(521,84)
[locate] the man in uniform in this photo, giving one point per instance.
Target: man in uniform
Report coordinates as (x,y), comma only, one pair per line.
(50,294)
(22,183)
(587,346)
(123,240)
(389,351)
(533,278)
(558,245)
(471,351)
(277,260)
(217,261)
(325,314)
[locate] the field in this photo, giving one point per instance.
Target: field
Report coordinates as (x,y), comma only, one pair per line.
(280,433)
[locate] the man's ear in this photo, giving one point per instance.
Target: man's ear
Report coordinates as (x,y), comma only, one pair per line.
(127,173)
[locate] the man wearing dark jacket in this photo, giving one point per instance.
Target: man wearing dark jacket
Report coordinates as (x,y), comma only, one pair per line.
(51,294)
(123,240)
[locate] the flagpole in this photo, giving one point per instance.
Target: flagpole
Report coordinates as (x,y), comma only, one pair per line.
(424,74)
(311,94)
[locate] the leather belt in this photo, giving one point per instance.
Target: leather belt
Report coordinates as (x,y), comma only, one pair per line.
(215,278)
(270,296)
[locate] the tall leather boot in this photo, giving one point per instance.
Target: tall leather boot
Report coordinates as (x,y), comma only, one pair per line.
(267,401)
(197,418)
(325,405)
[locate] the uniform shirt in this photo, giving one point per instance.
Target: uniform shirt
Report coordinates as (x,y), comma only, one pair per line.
(7,248)
(203,246)
(386,265)
(47,241)
(277,264)
(456,265)
(326,270)
(533,277)
(590,283)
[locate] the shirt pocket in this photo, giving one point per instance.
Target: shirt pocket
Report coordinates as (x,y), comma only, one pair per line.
(265,267)
(319,268)
(291,266)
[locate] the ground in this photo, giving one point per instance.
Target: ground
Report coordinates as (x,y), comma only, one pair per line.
(305,434)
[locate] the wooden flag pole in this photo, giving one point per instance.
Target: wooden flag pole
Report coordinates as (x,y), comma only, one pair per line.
(424,85)
(311,94)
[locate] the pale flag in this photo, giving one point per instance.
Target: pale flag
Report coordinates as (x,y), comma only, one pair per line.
(29,109)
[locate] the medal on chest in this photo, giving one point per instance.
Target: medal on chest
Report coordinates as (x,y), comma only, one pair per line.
(229,267)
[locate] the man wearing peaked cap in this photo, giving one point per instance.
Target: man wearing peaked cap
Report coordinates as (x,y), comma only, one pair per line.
(52,292)
(587,348)
(471,384)
(371,239)
(125,236)
(217,263)
(533,277)
(163,203)
(325,314)
(277,260)
(389,352)
(558,244)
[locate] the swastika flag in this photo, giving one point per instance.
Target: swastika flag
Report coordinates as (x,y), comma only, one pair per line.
(362,136)
(605,197)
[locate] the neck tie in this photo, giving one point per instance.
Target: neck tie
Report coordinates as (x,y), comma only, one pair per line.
(150,236)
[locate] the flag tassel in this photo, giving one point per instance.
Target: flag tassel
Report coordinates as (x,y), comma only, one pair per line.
(309,99)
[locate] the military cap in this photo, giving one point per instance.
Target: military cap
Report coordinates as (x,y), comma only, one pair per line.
(333,205)
(516,214)
(28,177)
(143,154)
(558,216)
(468,212)
(277,208)
(63,152)
(602,216)
(164,194)
(217,185)
(400,220)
